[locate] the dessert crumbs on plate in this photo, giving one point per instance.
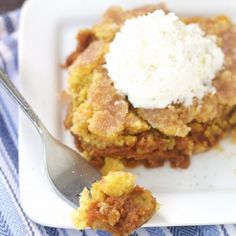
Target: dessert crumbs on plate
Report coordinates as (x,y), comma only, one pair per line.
(219,148)
(233,132)
(111,164)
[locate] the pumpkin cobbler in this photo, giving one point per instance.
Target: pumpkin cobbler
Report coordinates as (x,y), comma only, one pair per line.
(115,204)
(106,124)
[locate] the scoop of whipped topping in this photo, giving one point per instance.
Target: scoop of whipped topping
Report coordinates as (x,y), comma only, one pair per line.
(157,60)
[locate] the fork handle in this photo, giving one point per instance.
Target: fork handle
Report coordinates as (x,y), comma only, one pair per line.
(20,100)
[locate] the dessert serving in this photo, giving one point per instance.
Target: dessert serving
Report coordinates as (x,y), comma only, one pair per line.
(148,87)
(115,204)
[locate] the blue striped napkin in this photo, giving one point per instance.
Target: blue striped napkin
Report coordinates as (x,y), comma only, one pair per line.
(13,220)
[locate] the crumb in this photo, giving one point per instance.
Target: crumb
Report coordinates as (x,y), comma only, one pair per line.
(111,164)
(219,148)
(233,135)
(64,97)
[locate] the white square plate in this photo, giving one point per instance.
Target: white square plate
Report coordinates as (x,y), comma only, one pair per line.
(203,194)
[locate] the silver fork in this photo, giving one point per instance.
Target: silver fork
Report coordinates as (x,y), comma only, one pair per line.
(67,170)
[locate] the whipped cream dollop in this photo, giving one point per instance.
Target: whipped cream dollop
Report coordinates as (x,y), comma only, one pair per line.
(157,60)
